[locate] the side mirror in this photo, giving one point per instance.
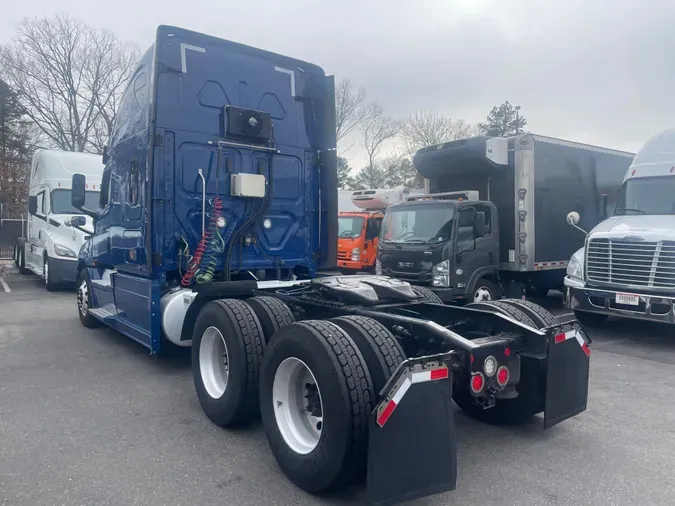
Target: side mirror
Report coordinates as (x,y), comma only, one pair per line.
(573,218)
(479,226)
(32,205)
(76,221)
(78,190)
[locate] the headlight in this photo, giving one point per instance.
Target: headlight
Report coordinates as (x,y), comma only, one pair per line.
(356,254)
(441,274)
(62,251)
(378,267)
(574,269)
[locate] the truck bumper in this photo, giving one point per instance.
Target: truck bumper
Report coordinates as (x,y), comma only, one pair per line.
(351,266)
(579,297)
(62,271)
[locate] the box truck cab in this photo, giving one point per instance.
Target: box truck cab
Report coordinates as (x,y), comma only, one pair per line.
(358,231)
(627,265)
(51,244)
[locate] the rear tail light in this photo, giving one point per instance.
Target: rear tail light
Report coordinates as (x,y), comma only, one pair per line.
(477,382)
(502,376)
(490,366)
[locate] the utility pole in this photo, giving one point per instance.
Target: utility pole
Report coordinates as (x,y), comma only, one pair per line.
(517,120)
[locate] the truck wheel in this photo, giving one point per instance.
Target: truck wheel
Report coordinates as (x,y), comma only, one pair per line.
(22,260)
(540,316)
(380,349)
(426,295)
(227,348)
(272,314)
(485,291)
(84,300)
(530,397)
(590,319)
(505,309)
(45,272)
(313,372)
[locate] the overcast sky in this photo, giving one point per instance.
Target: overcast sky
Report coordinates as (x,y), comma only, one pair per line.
(595,71)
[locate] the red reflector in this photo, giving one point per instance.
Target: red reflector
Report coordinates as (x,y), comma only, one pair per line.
(507,352)
(587,349)
(386,413)
(502,376)
(559,338)
(477,382)
(438,374)
(471,359)
(633,173)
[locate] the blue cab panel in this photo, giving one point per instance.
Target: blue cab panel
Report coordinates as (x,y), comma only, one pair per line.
(173,141)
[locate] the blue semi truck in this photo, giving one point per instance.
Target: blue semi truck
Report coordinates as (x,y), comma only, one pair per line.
(216,229)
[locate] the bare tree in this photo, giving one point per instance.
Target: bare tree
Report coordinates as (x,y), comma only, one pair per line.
(351,108)
(425,128)
(377,129)
(68,78)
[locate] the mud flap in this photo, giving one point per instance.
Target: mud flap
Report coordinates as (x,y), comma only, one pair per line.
(568,367)
(412,449)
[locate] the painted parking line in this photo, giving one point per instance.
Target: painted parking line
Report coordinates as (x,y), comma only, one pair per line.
(4,284)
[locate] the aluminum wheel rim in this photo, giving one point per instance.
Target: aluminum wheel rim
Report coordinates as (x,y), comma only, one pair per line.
(214,365)
(482,294)
(83,298)
(298,419)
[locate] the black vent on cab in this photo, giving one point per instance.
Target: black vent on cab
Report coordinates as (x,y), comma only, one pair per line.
(248,124)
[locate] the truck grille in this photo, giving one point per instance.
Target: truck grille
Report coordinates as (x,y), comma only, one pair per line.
(343,255)
(639,264)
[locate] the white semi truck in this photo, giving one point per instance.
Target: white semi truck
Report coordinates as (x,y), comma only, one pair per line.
(51,244)
(627,265)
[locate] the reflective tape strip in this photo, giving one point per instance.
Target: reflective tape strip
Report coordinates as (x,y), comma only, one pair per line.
(574,334)
(418,377)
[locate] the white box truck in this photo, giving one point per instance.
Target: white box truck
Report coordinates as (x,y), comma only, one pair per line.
(51,245)
(627,265)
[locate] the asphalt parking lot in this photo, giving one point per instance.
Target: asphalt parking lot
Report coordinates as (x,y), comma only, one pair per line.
(88,417)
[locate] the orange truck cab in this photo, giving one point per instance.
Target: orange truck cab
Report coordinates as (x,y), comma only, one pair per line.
(358,231)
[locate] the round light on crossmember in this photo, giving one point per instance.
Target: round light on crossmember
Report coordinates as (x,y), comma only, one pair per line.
(490,366)
(267,223)
(477,382)
(221,222)
(503,376)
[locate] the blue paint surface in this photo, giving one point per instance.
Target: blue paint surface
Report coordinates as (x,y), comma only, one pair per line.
(168,126)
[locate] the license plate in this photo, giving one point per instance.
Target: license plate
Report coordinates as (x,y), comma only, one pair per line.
(628,299)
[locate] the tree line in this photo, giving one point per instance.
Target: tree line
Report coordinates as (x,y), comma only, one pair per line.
(62,80)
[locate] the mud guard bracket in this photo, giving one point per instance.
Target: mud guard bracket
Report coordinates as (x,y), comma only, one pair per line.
(567,373)
(412,451)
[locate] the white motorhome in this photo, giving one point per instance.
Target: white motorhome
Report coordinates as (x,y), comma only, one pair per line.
(627,266)
(51,245)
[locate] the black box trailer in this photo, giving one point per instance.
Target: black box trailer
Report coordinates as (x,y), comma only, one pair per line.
(534,182)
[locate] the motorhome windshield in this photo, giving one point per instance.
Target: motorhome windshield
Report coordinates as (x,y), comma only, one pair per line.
(350,227)
(418,223)
(649,195)
(61,201)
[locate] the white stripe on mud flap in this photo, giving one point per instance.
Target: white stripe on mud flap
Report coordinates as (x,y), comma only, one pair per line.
(4,284)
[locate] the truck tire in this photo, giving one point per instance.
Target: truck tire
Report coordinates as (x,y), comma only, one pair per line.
(84,300)
(426,295)
(22,259)
(590,319)
(540,316)
(507,411)
(317,363)
(227,349)
(484,291)
(380,349)
(272,313)
(505,309)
